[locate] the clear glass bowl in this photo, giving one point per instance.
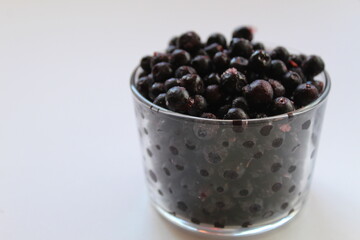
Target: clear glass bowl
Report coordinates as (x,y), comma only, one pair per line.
(229,177)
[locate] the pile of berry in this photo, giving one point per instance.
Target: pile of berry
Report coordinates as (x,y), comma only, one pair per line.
(237,81)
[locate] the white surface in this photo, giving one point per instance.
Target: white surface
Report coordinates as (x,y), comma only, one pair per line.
(70,166)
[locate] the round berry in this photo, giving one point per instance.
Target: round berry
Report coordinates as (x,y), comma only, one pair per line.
(236,113)
(290,81)
(170,49)
(282,105)
(213,48)
(277,87)
(162,71)
(159,57)
(179,58)
(277,69)
(313,65)
(258,46)
(197,105)
(243,32)
(301,73)
(177,99)
(189,41)
(208,115)
(171,82)
(173,41)
(145,63)
(213,78)
(213,94)
(296,60)
(239,63)
(156,89)
(259,61)
(318,84)
(280,53)
(232,81)
(241,47)
(201,64)
(217,38)
(183,70)
(143,85)
(193,84)
(240,102)
(160,100)
(221,61)
(259,94)
(305,94)
(222,111)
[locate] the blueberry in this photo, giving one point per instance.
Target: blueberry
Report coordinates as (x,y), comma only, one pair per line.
(213,78)
(232,81)
(183,70)
(239,63)
(240,102)
(296,60)
(177,99)
(243,32)
(221,61)
(145,63)
(156,89)
(171,82)
(280,53)
(277,69)
(201,64)
(313,65)
(278,88)
(252,76)
(213,48)
(162,71)
(197,105)
(318,84)
(259,115)
(189,41)
(236,113)
(217,38)
(173,41)
(300,72)
(258,46)
(290,81)
(170,49)
(241,47)
(179,58)
(259,61)
(208,115)
(282,105)
(159,57)
(143,85)
(259,94)
(213,94)
(305,94)
(160,100)
(193,84)
(223,110)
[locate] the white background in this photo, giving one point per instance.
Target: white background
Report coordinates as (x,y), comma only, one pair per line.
(70,166)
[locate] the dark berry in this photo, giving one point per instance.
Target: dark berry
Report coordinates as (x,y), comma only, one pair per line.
(278,88)
(213,78)
(183,70)
(197,105)
(280,53)
(260,115)
(208,115)
(239,63)
(232,81)
(221,61)
(189,41)
(240,47)
(156,89)
(259,94)
(282,105)
(290,81)
(252,76)
(240,102)
(277,69)
(171,82)
(173,41)
(213,48)
(318,84)
(193,84)
(243,32)
(143,85)
(145,63)
(236,113)
(177,99)
(259,61)
(217,38)
(179,58)
(201,64)
(223,110)
(213,94)
(159,57)
(200,52)
(162,71)
(160,100)
(258,46)
(301,73)
(313,65)
(170,49)
(305,94)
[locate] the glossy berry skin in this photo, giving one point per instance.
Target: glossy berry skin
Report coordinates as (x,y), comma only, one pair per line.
(318,84)
(202,65)
(240,102)
(173,41)
(239,63)
(145,63)
(212,78)
(213,94)
(179,58)
(162,71)
(189,41)
(305,94)
(143,85)
(277,69)
(290,81)
(171,82)
(278,88)
(240,47)
(217,38)
(221,61)
(183,70)
(159,57)
(197,105)
(236,113)
(259,94)
(160,100)
(192,83)
(155,89)
(222,111)
(170,49)
(208,115)
(177,99)
(232,81)
(282,105)
(258,46)
(243,32)
(259,61)
(300,72)
(313,65)
(280,53)
(213,48)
